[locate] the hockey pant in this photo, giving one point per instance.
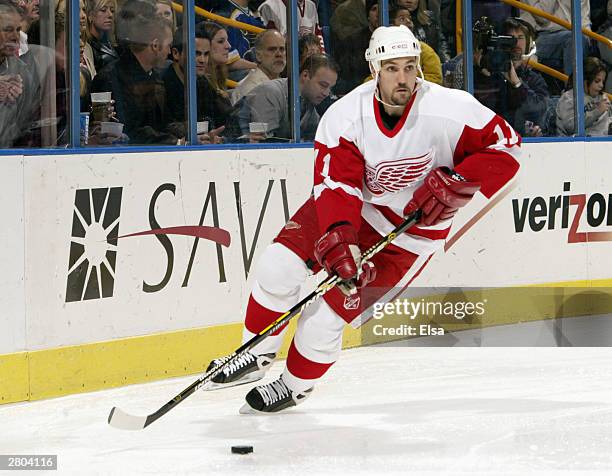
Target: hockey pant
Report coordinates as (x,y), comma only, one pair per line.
(318,338)
(279,275)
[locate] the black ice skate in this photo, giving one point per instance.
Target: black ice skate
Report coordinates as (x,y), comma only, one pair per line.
(272,397)
(247,368)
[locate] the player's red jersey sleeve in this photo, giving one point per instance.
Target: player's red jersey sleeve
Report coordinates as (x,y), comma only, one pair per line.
(338,179)
(488,154)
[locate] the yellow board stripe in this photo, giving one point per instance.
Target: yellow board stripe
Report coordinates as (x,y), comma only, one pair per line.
(35,375)
(67,370)
(14,377)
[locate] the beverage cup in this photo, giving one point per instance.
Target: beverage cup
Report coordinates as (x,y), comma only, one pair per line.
(261,127)
(202,127)
(112,128)
(100,107)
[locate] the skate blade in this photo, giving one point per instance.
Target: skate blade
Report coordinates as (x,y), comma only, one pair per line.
(216,386)
(247,409)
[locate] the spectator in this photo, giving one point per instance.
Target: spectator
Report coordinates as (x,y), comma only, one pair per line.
(429,60)
(239,10)
(213,95)
(237,67)
(137,89)
(350,53)
(517,93)
(87,59)
(273,14)
(174,81)
(348,18)
(30,16)
(271,59)
(165,10)
(308,44)
(526,89)
(174,76)
(427,26)
(101,24)
(269,102)
(87,56)
(554,43)
(596,103)
(604,51)
(19,91)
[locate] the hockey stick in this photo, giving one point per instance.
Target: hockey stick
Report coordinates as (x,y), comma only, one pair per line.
(125,421)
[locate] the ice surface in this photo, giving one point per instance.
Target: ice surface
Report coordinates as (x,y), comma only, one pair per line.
(384,410)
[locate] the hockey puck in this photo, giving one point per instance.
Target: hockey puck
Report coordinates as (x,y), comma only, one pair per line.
(242,450)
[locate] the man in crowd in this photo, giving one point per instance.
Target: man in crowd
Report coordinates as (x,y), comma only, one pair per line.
(271,61)
(174,77)
(527,92)
(174,81)
(519,93)
(268,103)
(554,43)
(18,88)
(137,89)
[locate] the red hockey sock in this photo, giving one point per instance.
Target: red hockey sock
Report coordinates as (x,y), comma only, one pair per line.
(303,368)
(259,317)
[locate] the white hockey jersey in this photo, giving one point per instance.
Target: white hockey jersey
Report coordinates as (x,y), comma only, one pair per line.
(363,170)
(274,14)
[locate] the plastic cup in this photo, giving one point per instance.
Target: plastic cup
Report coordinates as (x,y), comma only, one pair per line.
(202,127)
(101,97)
(100,103)
(261,127)
(112,128)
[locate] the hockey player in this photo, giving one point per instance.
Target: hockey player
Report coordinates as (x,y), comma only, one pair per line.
(389,147)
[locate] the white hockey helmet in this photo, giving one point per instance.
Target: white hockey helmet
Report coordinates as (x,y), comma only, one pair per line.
(389,42)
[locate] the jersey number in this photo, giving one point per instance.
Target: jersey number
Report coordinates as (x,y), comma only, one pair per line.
(508,138)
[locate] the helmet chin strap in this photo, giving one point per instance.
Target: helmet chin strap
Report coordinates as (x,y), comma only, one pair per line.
(379,99)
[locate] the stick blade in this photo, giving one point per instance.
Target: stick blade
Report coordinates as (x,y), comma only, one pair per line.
(124,421)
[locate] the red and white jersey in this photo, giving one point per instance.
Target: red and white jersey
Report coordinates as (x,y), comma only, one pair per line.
(365,171)
(273,14)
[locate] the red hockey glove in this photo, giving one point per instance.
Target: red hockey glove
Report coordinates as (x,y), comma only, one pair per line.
(338,253)
(441,195)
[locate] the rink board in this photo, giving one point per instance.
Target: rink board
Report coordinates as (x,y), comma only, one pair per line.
(90,316)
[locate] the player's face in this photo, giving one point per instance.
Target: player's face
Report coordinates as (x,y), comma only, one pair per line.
(397,80)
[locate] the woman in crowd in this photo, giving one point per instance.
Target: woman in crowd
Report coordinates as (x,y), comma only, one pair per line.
(429,60)
(596,103)
(100,31)
(427,27)
(165,10)
(213,96)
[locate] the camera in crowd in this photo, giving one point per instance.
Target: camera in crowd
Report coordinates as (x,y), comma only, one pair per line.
(496,49)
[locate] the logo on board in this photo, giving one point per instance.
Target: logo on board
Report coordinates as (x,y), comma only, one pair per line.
(93,243)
